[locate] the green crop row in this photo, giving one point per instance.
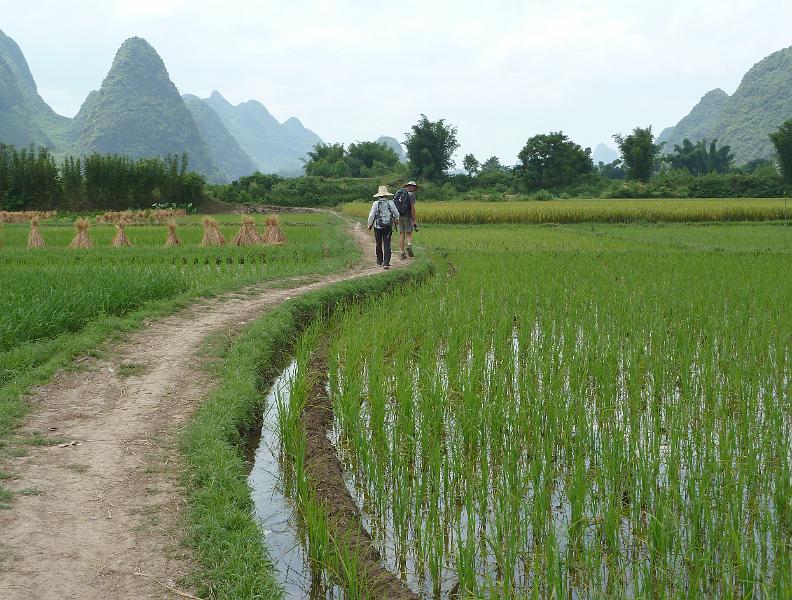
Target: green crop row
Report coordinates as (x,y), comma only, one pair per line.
(578,412)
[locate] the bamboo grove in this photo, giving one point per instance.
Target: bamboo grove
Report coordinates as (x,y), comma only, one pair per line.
(35,178)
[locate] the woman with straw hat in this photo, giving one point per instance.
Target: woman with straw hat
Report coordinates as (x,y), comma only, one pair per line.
(382,217)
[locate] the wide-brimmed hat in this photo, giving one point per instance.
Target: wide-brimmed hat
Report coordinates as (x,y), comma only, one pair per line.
(410,183)
(383,191)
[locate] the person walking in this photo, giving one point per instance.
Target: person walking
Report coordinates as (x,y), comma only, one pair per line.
(382,217)
(405,203)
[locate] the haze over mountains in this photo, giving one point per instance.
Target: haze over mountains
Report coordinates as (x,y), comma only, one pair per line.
(138,112)
(761,103)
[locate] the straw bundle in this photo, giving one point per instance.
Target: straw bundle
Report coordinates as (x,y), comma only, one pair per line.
(81,240)
(211,234)
(120,239)
(273,233)
(173,239)
(247,234)
(34,237)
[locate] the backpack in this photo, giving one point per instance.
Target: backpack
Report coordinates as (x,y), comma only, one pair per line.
(383,219)
(402,202)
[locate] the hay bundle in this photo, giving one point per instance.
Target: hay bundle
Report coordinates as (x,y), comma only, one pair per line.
(34,237)
(173,239)
(273,233)
(81,240)
(211,234)
(247,234)
(120,240)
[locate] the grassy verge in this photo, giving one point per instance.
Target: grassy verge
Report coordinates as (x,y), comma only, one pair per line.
(227,540)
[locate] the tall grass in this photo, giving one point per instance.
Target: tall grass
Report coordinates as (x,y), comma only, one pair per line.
(576,414)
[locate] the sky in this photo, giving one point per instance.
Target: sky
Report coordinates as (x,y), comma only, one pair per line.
(352,70)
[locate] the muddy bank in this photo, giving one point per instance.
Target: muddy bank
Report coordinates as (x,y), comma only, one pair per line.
(326,476)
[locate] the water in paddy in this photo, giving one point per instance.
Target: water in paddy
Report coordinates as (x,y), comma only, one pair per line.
(275,512)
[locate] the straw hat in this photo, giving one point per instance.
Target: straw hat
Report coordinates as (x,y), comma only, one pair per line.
(410,183)
(383,191)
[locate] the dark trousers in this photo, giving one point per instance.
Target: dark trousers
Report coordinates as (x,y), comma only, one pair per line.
(383,237)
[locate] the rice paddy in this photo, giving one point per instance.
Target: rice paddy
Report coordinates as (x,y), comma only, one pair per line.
(578,412)
(594,211)
(51,291)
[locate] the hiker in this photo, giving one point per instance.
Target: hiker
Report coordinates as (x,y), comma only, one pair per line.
(405,203)
(382,217)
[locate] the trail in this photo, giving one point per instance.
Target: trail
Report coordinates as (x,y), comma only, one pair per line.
(101,515)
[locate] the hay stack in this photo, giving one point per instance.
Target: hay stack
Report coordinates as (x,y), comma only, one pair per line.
(81,240)
(273,233)
(173,239)
(211,235)
(34,237)
(120,240)
(247,234)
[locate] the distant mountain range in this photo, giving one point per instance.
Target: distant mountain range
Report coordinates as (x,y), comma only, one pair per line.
(762,102)
(138,112)
(604,154)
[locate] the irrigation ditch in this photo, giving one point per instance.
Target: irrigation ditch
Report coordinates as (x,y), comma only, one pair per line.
(231,531)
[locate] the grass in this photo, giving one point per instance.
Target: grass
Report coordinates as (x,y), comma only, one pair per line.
(227,540)
(593,211)
(579,412)
(59,303)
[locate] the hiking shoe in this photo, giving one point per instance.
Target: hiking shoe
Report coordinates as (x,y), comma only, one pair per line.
(403,256)
(409,251)
(386,267)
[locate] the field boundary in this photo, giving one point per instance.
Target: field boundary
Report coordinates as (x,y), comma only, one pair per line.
(223,530)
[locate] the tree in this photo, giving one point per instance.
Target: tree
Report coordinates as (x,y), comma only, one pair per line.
(364,155)
(492,165)
(639,152)
(611,170)
(470,164)
(700,158)
(553,160)
(782,140)
(430,146)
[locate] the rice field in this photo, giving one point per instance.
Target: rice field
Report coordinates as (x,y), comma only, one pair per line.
(593,211)
(572,412)
(51,294)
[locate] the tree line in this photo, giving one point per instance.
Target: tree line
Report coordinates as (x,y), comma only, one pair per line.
(32,178)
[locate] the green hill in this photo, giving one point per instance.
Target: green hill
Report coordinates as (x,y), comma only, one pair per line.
(744,120)
(138,112)
(274,147)
(224,150)
(24,116)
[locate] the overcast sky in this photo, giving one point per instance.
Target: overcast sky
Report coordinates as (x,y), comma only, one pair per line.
(351,70)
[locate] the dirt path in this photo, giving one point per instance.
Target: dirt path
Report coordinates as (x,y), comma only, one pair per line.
(98,516)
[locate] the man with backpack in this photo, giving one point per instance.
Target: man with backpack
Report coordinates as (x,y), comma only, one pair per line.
(405,204)
(382,217)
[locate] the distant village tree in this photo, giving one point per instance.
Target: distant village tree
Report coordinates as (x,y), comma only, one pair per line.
(639,152)
(470,164)
(782,140)
(430,146)
(553,160)
(492,165)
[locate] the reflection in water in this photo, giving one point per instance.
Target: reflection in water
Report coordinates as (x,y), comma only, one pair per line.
(278,520)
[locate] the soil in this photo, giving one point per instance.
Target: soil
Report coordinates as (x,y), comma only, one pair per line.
(99,508)
(326,476)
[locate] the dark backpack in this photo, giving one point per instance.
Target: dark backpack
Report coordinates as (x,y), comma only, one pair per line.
(402,202)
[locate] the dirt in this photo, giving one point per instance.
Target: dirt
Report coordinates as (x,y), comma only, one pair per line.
(326,476)
(99,512)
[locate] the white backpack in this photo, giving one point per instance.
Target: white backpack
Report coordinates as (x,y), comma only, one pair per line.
(384,216)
